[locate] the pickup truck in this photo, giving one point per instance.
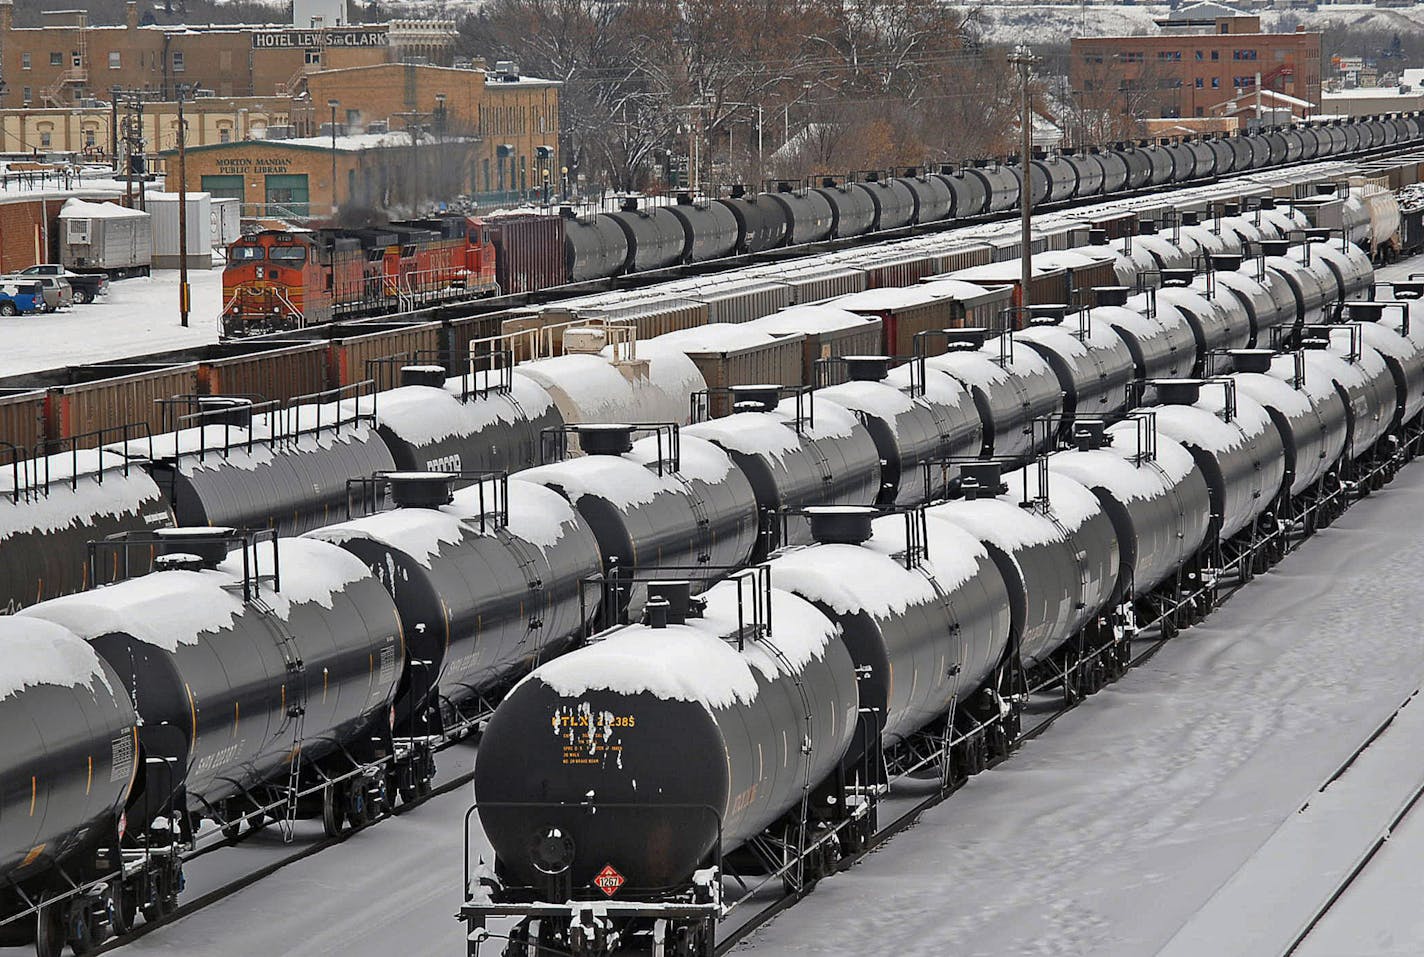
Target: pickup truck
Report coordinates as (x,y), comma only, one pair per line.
(87,286)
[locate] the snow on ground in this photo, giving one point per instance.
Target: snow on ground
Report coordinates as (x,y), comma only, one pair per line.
(1109,833)
(138,316)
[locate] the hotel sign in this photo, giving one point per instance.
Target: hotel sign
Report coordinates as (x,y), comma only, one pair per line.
(305,39)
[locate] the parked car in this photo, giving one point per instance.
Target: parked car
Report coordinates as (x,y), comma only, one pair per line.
(87,286)
(21,296)
(58,293)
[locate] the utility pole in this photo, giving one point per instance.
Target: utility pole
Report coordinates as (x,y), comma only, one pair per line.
(1025,61)
(184,300)
(333,103)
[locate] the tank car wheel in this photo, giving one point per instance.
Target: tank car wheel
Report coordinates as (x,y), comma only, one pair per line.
(82,936)
(333,813)
(125,897)
(50,932)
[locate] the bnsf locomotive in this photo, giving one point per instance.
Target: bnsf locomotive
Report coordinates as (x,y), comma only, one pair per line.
(292,277)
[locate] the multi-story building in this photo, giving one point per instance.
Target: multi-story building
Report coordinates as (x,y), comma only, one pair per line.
(1193,66)
(68,60)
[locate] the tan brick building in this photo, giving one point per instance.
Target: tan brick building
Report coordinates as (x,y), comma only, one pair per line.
(68,60)
(88,130)
(394,172)
(1197,66)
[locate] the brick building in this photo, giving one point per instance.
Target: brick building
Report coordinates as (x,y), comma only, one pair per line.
(88,130)
(398,172)
(68,60)
(1195,65)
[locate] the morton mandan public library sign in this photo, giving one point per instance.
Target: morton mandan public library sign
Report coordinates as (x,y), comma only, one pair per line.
(305,39)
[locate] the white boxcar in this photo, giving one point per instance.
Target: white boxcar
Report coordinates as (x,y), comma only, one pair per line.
(104,236)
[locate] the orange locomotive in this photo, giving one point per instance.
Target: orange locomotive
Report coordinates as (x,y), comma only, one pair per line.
(287,278)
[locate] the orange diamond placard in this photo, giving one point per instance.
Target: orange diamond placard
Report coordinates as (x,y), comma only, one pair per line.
(608,880)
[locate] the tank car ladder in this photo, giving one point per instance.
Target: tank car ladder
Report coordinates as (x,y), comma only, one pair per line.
(295,702)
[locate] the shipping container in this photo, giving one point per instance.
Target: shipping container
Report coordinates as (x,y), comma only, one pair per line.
(727,355)
(164,209)
(22,421)
(828,333)
(104,237)
(529,252)
(263,370)
(111,396)
(227,222)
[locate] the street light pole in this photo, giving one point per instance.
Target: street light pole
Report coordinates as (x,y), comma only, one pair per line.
(1024,60)
(183,296)
(333,104)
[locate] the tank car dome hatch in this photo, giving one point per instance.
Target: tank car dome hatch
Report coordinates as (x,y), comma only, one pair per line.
(433,376)
(1060,557)
(684,719)
(70,726)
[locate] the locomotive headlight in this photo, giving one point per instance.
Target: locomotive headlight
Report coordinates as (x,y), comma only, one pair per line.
(552,852)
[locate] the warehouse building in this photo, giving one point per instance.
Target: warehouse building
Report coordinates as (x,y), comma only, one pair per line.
(326,176)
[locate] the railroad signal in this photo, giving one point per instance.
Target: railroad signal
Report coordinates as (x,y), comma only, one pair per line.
(608,880)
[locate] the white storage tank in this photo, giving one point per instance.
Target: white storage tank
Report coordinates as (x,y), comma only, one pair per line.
(164,208)
(104,236)
(227,222)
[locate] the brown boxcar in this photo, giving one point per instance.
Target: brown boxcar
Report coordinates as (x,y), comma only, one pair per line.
(764,360)
(356,355)
(529,252)
(905,313)
(258,370)
(113,396)
(1045,285)
(828,333)
(22,421)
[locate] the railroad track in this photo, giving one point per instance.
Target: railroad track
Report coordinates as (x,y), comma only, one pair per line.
(1398,818)
(1152,637)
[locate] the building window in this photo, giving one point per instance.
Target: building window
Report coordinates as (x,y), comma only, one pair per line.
(89,139)
(24,61)
(1216,54)
(45,138)
(1243,54)
(314,57)
(177,61)
(1200,112)
(1199,82)
(1200,54)
(1132,56)
(1169,54)
(26,96)
(1243,82)
(115,62)
(56,59)
(1216,83)
(224,135)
